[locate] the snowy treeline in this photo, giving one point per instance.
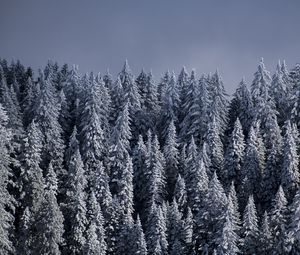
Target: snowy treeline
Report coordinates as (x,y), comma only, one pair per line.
(91,164)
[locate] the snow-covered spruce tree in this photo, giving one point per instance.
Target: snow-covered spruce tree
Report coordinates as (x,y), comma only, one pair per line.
(117,99)
(195,178)
(265,236)
(101,188)
(31,181)
(113,226)
(259,89)
(289,174)
(183,89)
(209,219)
(95,237)
(175,225)
(191,111)
(125,186)
(250,231)
(24,233)
(119,149)
(75,207)
(293,230)
(278,221)
(156,235)
(251,173)
(141,82)
(131,97)
(273,144)
(219,103)
(169,109)
(241,107)
(138,242)
(91,133)
(49,220)
(171,154)
(236,217)
(149,102)
(229,238)
(105,106)
(280,94)
(139,170)
(295,75)
(154,188)
(215,146)
(46,116)
(234,155)
(180,194)
(8,99)
(162,85)
(6,199)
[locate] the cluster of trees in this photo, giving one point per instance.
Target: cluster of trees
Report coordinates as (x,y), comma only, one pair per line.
(95,165)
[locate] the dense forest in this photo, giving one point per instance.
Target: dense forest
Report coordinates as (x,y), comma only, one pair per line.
(95,164)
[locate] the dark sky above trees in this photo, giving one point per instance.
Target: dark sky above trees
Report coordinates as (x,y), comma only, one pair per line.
(229,35)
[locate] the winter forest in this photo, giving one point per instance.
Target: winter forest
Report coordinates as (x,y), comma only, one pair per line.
(95,164)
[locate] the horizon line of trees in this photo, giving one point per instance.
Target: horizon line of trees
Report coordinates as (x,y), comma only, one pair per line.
(90,164)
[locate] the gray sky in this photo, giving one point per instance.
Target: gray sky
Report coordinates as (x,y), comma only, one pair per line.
(231,35)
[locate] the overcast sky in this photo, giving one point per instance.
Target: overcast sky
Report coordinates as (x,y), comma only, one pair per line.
(231,35)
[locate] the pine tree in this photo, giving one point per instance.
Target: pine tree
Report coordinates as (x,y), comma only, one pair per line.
(250,232)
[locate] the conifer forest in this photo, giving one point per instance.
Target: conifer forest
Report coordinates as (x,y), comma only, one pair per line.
(92,164)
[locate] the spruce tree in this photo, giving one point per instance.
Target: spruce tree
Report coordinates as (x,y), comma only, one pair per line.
(95,240)
(289,173)
(250,232)
(234,155)
(171,154)
(6,199)
(278,220)
(49,220)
